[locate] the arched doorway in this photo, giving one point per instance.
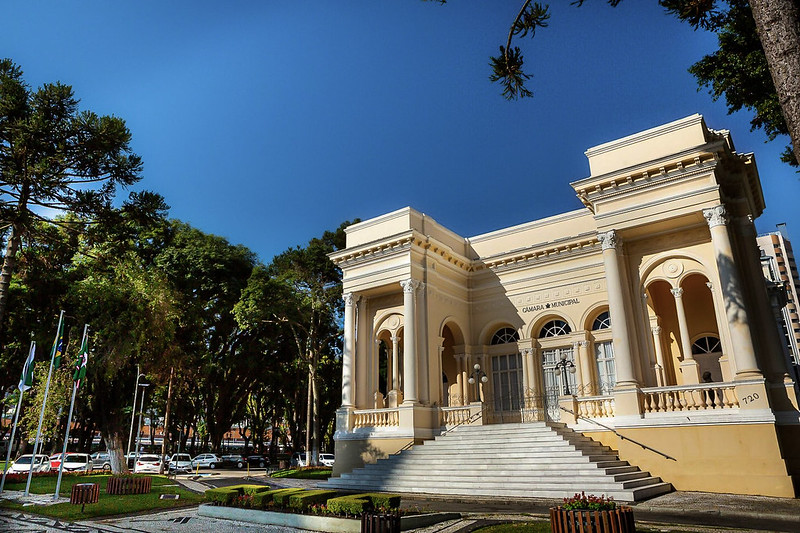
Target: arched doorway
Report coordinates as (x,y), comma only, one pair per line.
(554,338)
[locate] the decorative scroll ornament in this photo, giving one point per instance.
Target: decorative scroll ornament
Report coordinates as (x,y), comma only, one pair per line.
(716,216)
(609,240)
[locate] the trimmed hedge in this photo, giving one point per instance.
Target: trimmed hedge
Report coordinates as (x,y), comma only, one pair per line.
(226,495)
(261,499)
(281,497)
(303,500)
(356,504)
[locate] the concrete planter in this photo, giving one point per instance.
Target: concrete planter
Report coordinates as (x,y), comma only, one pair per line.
(619,520)
(326,524)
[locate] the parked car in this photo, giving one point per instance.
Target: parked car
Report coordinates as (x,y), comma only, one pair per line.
(206,460)
(259,461)
(180,462)
(298,459)
(101,461)
(55,461)
(23,464)
(148,462)
(232,460)
(326,459)
(78,462)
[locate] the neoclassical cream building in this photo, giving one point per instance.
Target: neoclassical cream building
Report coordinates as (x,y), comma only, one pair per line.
(643,315)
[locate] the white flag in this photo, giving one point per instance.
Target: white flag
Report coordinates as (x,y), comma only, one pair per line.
(26,380)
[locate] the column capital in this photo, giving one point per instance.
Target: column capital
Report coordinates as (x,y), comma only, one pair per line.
(394,338)
(575,345)
(677,292)
(609,240)
(410,285)
(716,216)
(525,352)
(710,286)
(350,299)
(584,343)
(656,330)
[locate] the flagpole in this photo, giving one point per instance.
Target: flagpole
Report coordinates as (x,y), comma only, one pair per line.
(44,402)
(75,386)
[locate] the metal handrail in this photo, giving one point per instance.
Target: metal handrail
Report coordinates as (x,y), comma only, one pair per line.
(617,433)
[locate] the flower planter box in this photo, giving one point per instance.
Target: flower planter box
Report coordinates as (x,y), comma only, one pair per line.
(128,485)
(619,520)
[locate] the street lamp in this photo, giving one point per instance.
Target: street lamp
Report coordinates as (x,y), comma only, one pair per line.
(133,412)
(562,367)
(477,374)
(139,432)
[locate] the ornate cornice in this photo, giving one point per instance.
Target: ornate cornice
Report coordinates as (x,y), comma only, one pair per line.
(525,257)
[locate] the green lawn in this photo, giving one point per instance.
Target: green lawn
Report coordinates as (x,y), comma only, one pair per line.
(108,504)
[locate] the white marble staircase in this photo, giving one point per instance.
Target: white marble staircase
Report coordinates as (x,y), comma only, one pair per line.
(534,460)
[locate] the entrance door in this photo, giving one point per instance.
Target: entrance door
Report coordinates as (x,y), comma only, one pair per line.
(553,384)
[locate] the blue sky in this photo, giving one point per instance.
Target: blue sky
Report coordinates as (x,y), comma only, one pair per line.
(268,122)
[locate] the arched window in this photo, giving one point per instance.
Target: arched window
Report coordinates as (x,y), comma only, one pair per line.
(554,328)
(705,345)
(603,321)
(504,336)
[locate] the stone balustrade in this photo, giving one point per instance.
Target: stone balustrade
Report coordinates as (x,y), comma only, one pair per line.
(702,397)
(377,418)
(596,406)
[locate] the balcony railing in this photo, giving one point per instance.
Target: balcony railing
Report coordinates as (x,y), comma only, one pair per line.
(596,406)
(376,418)
(702,397)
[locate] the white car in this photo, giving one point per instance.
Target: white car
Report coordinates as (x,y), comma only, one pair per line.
(147,462)
(206,460)
(326,459)
(180,462)
(23,464)
(78,462)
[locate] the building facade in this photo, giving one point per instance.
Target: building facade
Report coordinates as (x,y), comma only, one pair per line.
(780,270)
(641,317)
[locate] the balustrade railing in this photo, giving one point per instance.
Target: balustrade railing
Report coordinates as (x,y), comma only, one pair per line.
(377,418)
(454,416)
(596,406)
(702,397)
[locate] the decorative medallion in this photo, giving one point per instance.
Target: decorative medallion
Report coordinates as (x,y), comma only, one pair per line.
(393,322)
(673,268)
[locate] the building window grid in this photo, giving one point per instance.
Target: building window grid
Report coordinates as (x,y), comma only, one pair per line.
(507,381)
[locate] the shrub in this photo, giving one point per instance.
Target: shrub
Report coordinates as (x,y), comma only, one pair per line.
(582,502)
(303,500)
(384,501)
(281,497)
(350,505)
(223,495)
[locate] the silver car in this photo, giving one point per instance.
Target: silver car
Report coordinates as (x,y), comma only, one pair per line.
(206,460)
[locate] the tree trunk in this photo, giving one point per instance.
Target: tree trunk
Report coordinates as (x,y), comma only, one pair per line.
(315,392)
(116,453)
(778,26)
(9,265)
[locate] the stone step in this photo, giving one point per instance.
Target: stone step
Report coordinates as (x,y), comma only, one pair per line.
(509,460)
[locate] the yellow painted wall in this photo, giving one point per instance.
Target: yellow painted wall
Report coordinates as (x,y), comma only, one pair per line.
(736,459)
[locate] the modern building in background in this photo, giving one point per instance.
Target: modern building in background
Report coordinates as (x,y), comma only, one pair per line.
(640,320)
(780,270)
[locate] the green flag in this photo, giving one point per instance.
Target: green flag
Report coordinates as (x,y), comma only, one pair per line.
(58,346)
(80,363)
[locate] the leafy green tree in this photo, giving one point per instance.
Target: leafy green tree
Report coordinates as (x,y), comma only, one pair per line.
(53,157)
(218,358)
(302,289)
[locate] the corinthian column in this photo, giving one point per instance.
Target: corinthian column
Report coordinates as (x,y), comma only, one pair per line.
(623,358)
(348,352)
(732,296)
(410,341)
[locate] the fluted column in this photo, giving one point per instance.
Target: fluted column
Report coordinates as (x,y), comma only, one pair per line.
(733,298)
(620,328)
(525,354)
(410,341)
(534,375)
(659,369)
(348,352)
